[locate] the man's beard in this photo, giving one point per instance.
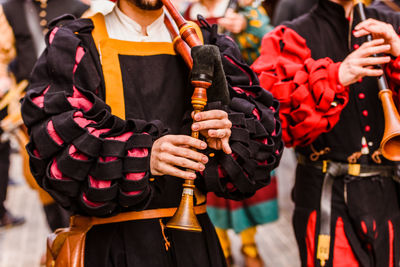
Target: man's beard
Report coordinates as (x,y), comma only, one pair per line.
(147,4)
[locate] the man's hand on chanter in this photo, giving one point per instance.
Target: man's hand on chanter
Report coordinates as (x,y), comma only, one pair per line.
(379,29)
(172,152)
(360,62)
(215,126)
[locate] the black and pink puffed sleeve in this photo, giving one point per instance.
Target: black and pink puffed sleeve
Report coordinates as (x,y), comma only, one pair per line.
(89,160)
(256,138)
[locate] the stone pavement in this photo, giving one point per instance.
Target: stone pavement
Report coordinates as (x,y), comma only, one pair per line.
(22,246)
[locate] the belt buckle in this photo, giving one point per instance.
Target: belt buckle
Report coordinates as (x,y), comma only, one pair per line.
(354,169)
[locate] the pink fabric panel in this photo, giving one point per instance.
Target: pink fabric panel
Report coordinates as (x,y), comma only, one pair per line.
(36,153)
(256,113)
(79,101)
(74,153)
(107,159)
(138,152)
(91,203)
(99,183)
(53,134)
(135,176)
(39,101)
(56,173)
(97,132)
(80,52)
(133,193)
(80,120)
(52,34)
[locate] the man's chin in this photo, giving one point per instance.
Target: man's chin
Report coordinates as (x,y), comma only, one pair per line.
(147,5)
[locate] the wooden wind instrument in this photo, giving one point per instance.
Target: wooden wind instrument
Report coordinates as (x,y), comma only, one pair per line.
(185,217)
(390,143)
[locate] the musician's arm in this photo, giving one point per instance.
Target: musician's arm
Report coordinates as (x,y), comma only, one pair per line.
(90,161)
(255,134)
(309,91)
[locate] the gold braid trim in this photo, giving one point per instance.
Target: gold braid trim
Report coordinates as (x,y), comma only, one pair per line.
(376,156)
(354,157)
(316,154)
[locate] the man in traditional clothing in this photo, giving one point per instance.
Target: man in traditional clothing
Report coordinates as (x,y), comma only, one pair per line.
(108,109)
(346,200)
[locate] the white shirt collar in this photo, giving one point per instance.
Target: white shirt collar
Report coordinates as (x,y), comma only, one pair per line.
(120,26)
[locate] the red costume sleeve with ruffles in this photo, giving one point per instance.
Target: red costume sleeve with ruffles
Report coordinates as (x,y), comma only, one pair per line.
(309,91)
(392,71)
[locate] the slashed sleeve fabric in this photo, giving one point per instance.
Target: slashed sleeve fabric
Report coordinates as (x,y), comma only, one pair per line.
(256,132)
(309,90)
(392,71)
(89,160)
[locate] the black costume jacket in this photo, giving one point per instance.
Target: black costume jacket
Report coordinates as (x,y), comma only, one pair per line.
(95,163)
(302,73)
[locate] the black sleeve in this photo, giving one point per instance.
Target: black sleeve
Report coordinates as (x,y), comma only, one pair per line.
(256,132)
(89,160)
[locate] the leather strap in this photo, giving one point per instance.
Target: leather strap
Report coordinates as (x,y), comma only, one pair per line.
(324,237)
(132,216)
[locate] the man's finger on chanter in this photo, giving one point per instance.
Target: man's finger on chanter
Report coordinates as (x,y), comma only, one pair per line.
(167,169)
(211,115)
(180,140)
(189,154)
(212,124)
(184,163)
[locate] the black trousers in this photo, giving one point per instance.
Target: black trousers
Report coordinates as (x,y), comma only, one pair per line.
(143,243)
(365,219)
(4,167)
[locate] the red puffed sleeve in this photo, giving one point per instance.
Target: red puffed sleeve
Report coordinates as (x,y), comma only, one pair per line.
(392,71)
(309,90)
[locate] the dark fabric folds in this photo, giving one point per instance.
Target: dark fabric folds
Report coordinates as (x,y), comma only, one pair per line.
(103,162)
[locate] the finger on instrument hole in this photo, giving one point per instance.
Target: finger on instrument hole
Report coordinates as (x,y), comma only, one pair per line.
(189,154)
(370,72)
(375,50)
(183,162)
(371,29)
(365,23)
(374,42)
(373,60)
(181,140)
(211,115)
(212,124)
(167,169)
(220,133)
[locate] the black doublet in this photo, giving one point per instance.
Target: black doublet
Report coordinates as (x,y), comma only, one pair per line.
(327,35)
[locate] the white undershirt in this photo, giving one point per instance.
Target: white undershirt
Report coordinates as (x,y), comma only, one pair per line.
(120,26)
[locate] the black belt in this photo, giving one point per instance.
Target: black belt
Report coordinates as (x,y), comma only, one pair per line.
(361,170)
(333,170)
